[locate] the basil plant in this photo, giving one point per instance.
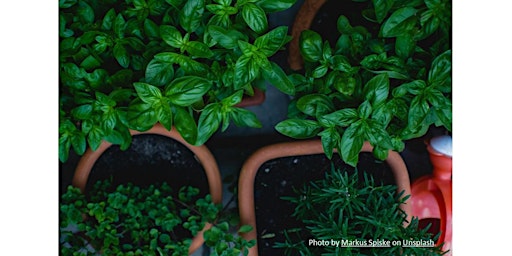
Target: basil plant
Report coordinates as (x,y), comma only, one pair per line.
(384,87)
(184,63)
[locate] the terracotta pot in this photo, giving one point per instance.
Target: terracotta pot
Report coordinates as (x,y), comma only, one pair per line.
(202,154)
(300,148)
(303,20)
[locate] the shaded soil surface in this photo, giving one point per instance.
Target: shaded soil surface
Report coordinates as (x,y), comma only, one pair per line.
(281,177)
(150,159)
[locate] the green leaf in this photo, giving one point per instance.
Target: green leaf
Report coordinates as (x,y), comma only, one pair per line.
(382,8)
(405,45)
(164,113)
(377,89)
(121,55)
(277,77)
(108,20)
(400,22)
(343,25)
(82,112)
(227,38)
(148,93)
(255,17)
(320,71)
(417,112)
(85,12)
(234,99)
(298,129)
(78,142)
(330,139)
(315,105)
(272,41)
(171,36)
(186,125)
(159,73)
(95,137)
(342,118)
(310,44)
(141,116)
(198,49)
(340,63)
(270,6)
(351,144)
(244,117)
(246,70)
(365,109)
(119,26)
(440,72)
(185,91)
(191,15)
(64,147)
(209,122)
(151,29)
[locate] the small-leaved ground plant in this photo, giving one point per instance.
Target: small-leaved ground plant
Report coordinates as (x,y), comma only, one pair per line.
(344,207)
(131,220)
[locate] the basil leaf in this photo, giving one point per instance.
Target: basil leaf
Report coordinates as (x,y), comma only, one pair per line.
(85,12)
(141,116)
(440,71)
(272,41)
(417,112)
(315,105)
(365,109)
(330,139)
(82,112)
(186,125)
(270,6)
(121,55)
(233,99)
(95,137)
(108,20)
(64,147)
(188,64)
(246,70)
(171,36)
(164,113)
(377,89)
(342,118)
(148,93)
(400,22)
(78,142)
(209,122)
(191,15)
(151,29)
(277,77)
(119,25)
(382,8)
(159,73)
(343,25)
(198,49)
(185,91)
(298,129)
(351,144)
(255,17)
(310,45)
(227,38)
(244,117)
(405,45)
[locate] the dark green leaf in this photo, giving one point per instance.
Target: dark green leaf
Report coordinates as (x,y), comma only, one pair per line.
(400,22)
(164,113)
(94,137)
(191,15)
(148,93)
(405,45)
(186,125)
(315,105)
(159,73)
(121,55)
(198,49)
(298,129)
(209,122)
(417,112)
(440,72)
(185,91)
(233,99)
(119,26)
(271,6)
(244,117)
(227,38)
(151,29)
(330,139)
(78,142)
(108,20)
(414,88)
(310,45)
(188,64)
(82,112)
(64,147)
(343,25)
(277,77)
(246,70)
(272,41)
(377,89)
(365,109)
(171,36)
(351,144)
(85,12)
(382,8)
(255,17)
(342,118)
(320,71)
(141,116)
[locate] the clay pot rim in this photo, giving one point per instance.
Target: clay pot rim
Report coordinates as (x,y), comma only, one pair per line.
(297,148)
(202,154)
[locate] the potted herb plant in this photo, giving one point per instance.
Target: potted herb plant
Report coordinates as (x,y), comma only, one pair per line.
(275,171)
(130,64)
(132,220)
(384,83)
(355,217)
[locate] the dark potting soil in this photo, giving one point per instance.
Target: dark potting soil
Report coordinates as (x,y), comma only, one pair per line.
(150,159)
(280,177)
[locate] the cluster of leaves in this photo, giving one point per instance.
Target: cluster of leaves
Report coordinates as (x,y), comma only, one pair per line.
(129,220)
(127,64)
(342,207)
(383,88)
